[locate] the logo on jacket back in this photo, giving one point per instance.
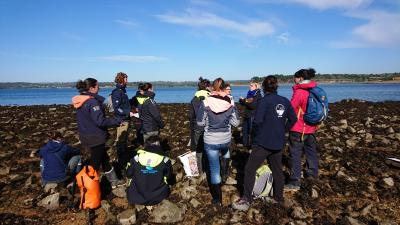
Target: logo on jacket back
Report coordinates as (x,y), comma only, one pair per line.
(280,109)
(149,169)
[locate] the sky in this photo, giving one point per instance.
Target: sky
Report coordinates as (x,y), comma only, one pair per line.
(176,40)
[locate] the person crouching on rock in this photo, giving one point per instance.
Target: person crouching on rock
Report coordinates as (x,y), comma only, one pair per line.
(273,117)
(150,174)
(92,126)
(59,161)
(197,132)
(217,114)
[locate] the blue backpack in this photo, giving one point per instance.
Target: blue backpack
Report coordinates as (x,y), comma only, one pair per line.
(317,106)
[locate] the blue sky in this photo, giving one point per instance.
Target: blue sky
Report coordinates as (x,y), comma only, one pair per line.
(55,40)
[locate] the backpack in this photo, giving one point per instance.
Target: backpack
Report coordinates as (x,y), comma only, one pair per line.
(109,102)
(317,106)
(88,182)
(263,184)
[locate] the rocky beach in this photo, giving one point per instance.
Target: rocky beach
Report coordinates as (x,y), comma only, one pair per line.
(356,183)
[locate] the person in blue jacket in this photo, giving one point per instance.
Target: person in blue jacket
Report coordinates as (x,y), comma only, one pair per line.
(59,161)
(92,127)
(122,111)
(150,174)
(273,117)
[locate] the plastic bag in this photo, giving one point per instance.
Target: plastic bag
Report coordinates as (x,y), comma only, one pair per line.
(189,162)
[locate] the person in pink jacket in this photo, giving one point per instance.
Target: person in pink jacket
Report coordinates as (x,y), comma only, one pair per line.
(301,135)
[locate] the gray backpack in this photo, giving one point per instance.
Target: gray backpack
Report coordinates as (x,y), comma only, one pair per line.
(263,184)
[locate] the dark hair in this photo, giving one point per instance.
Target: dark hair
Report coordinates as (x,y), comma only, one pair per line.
(146,86)
(218,84)
(270,84)
(306,74)
(203,84)
(140,86)
(119,78)
(54,135)
(152,140)
(84,85)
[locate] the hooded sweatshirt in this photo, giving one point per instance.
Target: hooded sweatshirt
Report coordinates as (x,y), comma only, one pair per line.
(150,174)
(299,104)
(217,114)
(150,114)
(195,104)
(55,155)
(90,116)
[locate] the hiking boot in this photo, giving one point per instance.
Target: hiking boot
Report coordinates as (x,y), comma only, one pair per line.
(292,187)
(242,204)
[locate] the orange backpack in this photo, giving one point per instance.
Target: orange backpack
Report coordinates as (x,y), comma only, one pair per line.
(89,184)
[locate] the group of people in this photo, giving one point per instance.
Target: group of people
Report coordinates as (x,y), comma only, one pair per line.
(212,114)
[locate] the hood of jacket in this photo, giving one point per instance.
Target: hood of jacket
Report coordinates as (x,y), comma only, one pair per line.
(79,100)
(120,86)
(150,94)
(307,84)
(202,94)
(218,103)
(54,146)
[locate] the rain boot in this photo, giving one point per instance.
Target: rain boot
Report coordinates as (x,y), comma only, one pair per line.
(224,169)
(216,194)
(113,179)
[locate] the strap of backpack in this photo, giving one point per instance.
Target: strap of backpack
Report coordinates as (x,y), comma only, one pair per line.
(84,192)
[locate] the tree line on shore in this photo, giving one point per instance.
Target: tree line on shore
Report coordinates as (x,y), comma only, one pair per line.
(330,78)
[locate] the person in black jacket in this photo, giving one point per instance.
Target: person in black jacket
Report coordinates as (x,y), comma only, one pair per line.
(250,105)
(150,114)
(196,131)
(122,111)
(150,174)
(92,126)
(136,105)
(273,117)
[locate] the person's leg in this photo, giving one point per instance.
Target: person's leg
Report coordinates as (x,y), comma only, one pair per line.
(256,158)
(275,161)
(212,152)
(121,144)
(149,134)
(295,151)
(310,150)
(198,142)
(96,157)
(41,172)
(75,165)
(246,131)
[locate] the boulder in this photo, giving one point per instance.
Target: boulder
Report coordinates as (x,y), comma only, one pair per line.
(167,212)
(50,202)
(127,217)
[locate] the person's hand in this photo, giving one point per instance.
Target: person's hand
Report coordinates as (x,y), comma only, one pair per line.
(131,114)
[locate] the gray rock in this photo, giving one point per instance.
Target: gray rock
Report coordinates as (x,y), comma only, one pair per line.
(188,192)
(194,202)
(366,210)
(351,130)
(50,187)
(353,221)
(167,212)
(50,202)
(105,206)
(4,170)
(314,193)
(8,137)
(127,217)
(368,138)
(237,217)
(389,130)
(387,182)
(397,135)
(120,192)
(230,181)
(351,143)
(343,123)
(298,213)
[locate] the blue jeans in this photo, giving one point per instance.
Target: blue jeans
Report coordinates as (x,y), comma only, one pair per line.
(296,146)
(246,129)
(74,166)
(213,151)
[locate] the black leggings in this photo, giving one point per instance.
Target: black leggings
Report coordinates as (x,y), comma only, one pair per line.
(99,156)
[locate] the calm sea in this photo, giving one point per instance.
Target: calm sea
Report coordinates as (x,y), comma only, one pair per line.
(336,92)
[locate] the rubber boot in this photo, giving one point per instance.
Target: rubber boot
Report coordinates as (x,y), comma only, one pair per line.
(224,169)
(199,158)
(216,194)
(113,179)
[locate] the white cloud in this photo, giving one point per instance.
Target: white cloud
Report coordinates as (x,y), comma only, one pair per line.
(72,36)
(128,23)
(320,4)
(283,38)
(381,30)
(197,18)
(131,58)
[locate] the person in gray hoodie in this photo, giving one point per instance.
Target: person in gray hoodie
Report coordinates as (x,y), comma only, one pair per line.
(217,114)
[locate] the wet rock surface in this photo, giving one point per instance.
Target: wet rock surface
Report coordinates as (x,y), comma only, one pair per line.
(355,185)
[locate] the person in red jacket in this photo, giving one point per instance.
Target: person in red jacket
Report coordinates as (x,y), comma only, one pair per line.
(301,136)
